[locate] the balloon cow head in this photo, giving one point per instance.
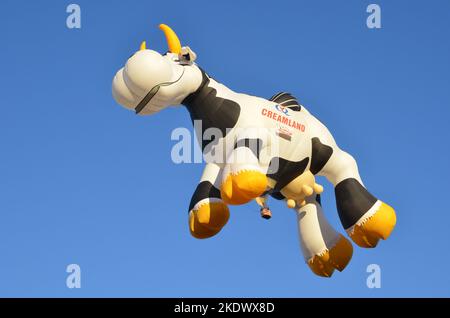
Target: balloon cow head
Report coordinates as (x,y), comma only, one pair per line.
(283,145)
(150,81)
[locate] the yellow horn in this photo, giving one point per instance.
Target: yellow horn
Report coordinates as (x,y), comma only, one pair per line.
(143,46)
(172,39)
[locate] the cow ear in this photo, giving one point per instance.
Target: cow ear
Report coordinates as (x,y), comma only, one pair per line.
(187,56)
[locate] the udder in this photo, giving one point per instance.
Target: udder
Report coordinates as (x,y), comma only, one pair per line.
(300,188)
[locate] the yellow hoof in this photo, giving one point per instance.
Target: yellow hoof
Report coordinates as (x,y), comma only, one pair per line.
(377,226)
(208,220)
(341,253)
(321,266)
(382,223)
(337,257)
(362,238)
(243,187)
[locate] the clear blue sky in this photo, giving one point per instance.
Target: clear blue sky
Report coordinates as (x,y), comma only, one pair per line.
(84,181)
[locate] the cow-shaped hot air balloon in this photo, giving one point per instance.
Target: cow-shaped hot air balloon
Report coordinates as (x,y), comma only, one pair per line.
(257,148)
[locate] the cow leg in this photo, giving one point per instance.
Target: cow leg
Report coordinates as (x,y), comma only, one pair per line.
(208,214)
(323,248)
(244,178)
(365,218)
